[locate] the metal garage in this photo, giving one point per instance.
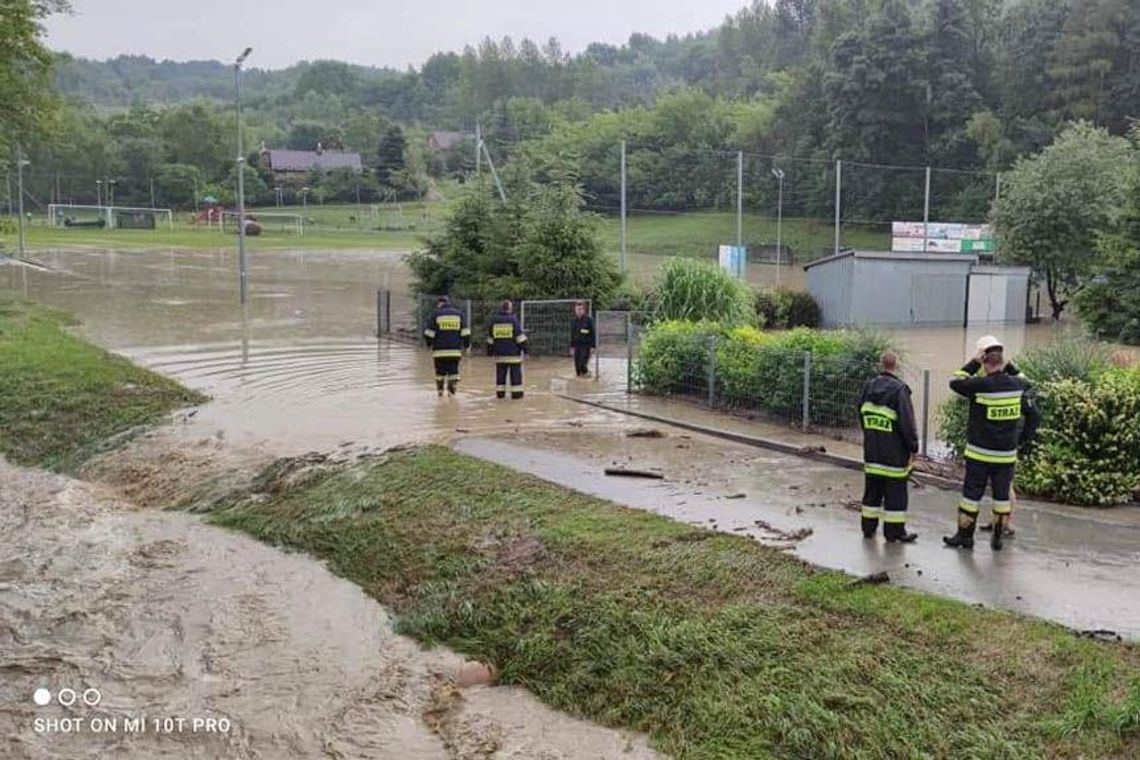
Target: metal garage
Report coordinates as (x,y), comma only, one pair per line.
(998,294)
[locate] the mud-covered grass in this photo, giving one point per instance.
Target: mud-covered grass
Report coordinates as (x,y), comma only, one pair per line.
(716,646)
(63,399)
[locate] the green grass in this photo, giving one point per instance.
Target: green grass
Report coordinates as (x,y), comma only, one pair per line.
(62,399)
(348,227)
(717,647)
(700,233)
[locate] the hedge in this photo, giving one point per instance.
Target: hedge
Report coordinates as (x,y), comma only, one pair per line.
(1088,446)
(759,371)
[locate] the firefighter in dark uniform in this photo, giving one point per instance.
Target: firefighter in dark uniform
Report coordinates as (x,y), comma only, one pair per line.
(583,339)
(447,335)
(1002,419)
(890,441)
(506,341)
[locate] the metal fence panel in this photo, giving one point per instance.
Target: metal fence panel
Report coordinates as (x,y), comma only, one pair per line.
(547,324)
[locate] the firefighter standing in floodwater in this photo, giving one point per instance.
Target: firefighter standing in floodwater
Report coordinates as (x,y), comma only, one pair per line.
(1002,419)
(890,441)
(506,341)
(447,334)
(583,339)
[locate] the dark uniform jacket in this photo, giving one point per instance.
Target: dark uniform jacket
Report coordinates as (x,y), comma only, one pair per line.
(447,333)
(582,333)
(506,340)
(886,415)
(1002,414)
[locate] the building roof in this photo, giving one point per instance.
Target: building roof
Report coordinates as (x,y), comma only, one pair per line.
(957,258)
(304,160)
(446,140)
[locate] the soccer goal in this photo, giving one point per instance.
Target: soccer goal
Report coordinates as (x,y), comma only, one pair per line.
(109,217)
(272,221)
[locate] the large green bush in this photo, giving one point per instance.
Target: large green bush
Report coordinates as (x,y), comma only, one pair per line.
(761,371)
(696,290)
(1088,446)
(780,309)
(673,358)
(1089,452)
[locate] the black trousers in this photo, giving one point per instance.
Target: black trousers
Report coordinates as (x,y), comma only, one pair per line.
(512,372)
(446,371)
(886,499)
(978,475)
(582,360)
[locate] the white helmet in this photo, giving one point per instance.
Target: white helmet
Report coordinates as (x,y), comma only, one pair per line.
(988,342)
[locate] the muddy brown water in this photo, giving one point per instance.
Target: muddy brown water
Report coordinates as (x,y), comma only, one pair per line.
(177,619)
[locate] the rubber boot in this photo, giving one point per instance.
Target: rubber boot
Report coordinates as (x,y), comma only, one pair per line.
(964,538)
(452,385)
(870,526)
(439,388)
(516,395)
(901,536)
(998,532)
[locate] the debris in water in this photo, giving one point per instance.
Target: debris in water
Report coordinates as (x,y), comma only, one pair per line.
(792,536)
(473,673)
(813,450)
(1100,634)
(574,423)
(739,530)
(873,579)
(627,472)
(736,496)
(462,430)
(853,506)
(793,487)
(645,433)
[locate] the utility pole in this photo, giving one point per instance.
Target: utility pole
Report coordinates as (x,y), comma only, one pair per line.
(623,214)
(997,187)
(152,203)
(99,192)
(243,264)
(478,149)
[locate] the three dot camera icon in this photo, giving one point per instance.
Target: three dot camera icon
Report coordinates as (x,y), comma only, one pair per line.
(67,697)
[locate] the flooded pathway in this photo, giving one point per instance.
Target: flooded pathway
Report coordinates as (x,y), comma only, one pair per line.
(1075,567)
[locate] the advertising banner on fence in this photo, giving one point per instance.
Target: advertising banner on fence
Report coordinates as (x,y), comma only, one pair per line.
(941,237)
(733,259)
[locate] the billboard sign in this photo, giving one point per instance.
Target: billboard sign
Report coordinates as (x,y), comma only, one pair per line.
(941,237)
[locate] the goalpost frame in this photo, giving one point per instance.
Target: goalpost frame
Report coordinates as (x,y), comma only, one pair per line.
(107,212)
(297,219)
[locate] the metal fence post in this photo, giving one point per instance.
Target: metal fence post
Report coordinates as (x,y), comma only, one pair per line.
(807,392)
(379,312)
(925,408)
(710,366)
(629,356)
(468,311)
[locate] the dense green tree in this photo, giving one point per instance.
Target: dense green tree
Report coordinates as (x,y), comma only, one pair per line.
(25,66)
(328,77)
(1054,205)
(390,154)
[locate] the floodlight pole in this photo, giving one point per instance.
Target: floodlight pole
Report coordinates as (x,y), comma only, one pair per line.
(20,164)
(926,215)
(779,175)
(838,200)
(243,264)
(623,208)
(99,192)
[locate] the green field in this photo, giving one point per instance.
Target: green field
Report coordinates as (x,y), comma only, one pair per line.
(403,229)
(62,399)
(714,645)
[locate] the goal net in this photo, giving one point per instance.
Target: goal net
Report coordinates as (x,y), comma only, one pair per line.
(109,217)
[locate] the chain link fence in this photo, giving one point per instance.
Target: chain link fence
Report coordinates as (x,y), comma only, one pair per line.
(808,391)
(547,323)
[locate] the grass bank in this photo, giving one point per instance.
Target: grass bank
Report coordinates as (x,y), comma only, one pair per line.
(717,647)
(61,398)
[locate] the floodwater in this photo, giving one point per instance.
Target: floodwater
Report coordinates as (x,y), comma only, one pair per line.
(225,647)
(174,618)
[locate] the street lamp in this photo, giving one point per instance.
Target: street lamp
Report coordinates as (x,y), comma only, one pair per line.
(21,162)
(779,175)
(243,268)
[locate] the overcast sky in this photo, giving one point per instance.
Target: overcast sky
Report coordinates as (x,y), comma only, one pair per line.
(373,32)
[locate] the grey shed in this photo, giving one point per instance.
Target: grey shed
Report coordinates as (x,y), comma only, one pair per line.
(858,288)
